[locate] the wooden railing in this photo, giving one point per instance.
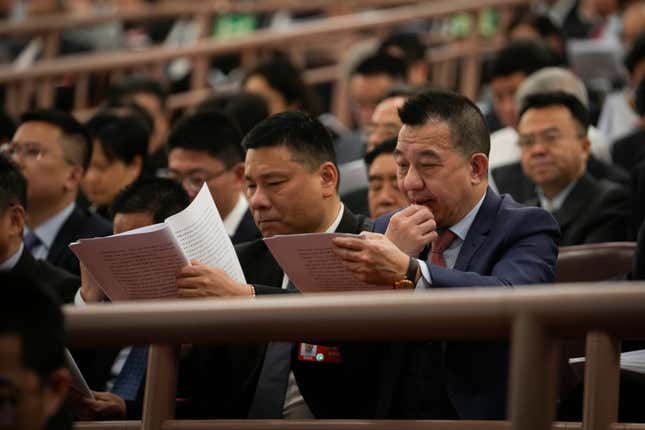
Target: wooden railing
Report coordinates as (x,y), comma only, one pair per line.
(454,65)
(534,318)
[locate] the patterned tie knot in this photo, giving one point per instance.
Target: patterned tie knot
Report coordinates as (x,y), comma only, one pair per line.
(443,241)
(31,241)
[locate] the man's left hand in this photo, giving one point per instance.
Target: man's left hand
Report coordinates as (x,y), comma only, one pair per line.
(199,280)
(373,258)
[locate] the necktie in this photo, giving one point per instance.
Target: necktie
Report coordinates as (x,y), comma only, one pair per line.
(439,246)
(31,241)
(270,392)
(129,380)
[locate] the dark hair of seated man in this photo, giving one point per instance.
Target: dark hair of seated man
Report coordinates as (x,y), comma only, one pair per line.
(160,196)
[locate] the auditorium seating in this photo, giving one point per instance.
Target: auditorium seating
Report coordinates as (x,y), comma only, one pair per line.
(594,262)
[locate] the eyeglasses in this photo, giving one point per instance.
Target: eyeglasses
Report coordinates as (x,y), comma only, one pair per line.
(547,138)
(194,180)
(31,150)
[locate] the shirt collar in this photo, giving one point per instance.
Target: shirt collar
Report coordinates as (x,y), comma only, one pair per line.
(48,230)
(11,262)
(334,225)
(462,227)
(234,218)
(555,203)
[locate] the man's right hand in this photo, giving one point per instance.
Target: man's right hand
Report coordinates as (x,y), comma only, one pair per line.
(411,229)
(90,291)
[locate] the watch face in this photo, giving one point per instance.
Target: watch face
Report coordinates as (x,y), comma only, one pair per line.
(403,284)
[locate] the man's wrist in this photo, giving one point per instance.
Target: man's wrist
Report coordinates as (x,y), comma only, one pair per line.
(411,276)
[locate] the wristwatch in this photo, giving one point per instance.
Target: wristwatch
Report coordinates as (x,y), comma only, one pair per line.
(407,283)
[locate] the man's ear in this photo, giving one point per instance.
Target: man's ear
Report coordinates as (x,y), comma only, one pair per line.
(74,177)
(56,387)
(238,172)
(17,218)
(328,178)
(478,167)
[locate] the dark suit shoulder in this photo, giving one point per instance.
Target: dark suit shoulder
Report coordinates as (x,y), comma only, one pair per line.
(247,230)
(60,282)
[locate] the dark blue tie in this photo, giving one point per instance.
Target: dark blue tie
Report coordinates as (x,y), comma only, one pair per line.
(270,392)
(31,241)
(129,380)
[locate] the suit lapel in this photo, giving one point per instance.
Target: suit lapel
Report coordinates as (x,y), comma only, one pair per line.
(479,230)
(575,202)
(64,236)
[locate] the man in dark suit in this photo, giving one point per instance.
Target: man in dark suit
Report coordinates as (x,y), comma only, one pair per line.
(13,257)
(205,147)
(53,151)
(291,180)
(554,144)
(477,238)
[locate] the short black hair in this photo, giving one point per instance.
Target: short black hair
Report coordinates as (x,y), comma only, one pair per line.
(129,107)
(385,147)
(558,98)
(13,185)
(7,126)
(160,196)
(640,98)
(34,315)
(247,109)
(541,23)
(209,131)
(77,143)
(287,79)
(636,53)
(121,137)
(468,131)
(138,85)
(408,42)
(524,56)
(382,63)
(305,136)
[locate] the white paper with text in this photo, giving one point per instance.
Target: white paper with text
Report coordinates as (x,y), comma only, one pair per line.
(312,266)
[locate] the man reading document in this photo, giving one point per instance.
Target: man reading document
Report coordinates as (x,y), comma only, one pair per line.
(456,232)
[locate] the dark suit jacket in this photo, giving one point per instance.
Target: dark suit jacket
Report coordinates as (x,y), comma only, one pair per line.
(221,382)
(247,230)
(507,245)
(80,224)
(630,150)
(63,284)
(510,179)
(595,211)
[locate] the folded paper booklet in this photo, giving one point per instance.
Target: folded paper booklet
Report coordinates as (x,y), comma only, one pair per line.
(143,263)
(312,266)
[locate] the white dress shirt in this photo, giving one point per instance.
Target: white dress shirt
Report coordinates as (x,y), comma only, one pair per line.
(48,230)
(234,218)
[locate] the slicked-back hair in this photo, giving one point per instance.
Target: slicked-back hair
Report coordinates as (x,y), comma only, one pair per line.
(247,109)
(161,197)
(385,147)
(308,140)
(559,98)
(13,186)
(33,315)
(76,141)
(525,56)
(382,63)
(468,131)
(211,132)
(122,138)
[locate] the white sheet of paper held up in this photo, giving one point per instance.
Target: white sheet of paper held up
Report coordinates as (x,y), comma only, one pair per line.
(78,381)
(312,266)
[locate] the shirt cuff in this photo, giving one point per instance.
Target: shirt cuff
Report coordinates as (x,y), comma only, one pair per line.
(78,299)
(425,281)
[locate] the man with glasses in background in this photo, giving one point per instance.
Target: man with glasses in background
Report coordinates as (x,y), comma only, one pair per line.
(53,150)
(205,147)
(554,149)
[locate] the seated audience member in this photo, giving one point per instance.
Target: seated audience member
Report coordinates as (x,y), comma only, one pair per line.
(509,178)
(34,381)
(477,238)
(53,150)
(205,148)
(383,194)
(142,203)
(408,47)
(13,256)
(569,16)
(281,84)
(618,117)
(369,82)
(119,150)
(511,66)
(247,109)
(292,180)
(527,25)
(630,150)
(553,138)
(151,96)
